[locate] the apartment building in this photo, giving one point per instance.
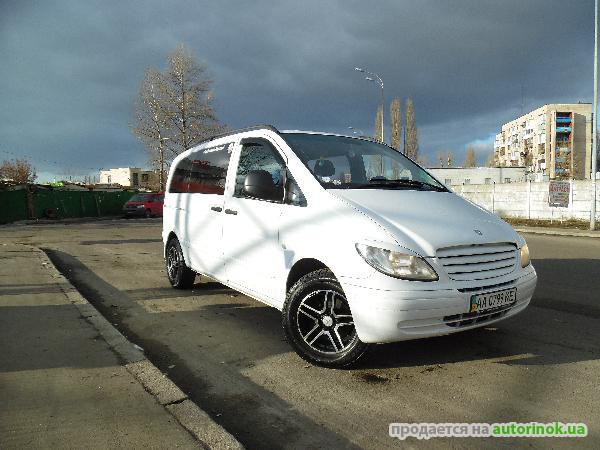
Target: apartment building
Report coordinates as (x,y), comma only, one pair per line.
(553,142)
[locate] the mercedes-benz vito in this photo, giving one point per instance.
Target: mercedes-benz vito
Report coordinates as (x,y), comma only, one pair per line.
(355,243)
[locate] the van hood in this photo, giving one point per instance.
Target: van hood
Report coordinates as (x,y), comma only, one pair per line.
(424,221)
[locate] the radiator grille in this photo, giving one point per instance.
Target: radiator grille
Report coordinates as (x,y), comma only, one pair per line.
(478,262)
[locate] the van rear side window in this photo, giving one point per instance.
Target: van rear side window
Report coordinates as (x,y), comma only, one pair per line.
(203,171)
(179,179)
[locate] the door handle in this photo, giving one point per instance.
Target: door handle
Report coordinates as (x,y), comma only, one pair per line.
(216,208)
(231,211)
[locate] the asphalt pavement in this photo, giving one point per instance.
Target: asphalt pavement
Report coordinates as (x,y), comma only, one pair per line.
(228,354)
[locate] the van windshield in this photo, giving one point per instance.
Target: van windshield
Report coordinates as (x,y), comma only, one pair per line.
(340,162)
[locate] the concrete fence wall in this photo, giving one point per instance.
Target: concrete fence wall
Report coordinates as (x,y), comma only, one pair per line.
(530,200)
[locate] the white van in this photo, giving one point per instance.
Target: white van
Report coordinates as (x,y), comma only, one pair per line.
(353,242)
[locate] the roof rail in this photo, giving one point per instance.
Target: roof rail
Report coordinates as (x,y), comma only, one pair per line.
(241,130)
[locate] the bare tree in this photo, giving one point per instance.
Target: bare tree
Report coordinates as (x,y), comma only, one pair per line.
(19,171)
(396,133)
(150,122)
(396,124)
(411,146)
(378,119)
(450,159)
(492,160)
(187,102)
(174,111)
(470,159)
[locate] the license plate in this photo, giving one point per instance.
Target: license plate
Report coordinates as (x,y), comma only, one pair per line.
(491,300)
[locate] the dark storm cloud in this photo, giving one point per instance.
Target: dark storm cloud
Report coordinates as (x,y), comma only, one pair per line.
(70,70)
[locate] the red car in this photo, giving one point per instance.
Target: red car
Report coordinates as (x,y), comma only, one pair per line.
(145,204)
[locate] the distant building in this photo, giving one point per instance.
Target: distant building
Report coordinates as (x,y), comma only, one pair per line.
(479,175)
(554,141)
(129,177)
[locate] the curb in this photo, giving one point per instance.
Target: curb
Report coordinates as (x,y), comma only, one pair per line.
(67,221)
(64,221)
(197,422)
(555,232)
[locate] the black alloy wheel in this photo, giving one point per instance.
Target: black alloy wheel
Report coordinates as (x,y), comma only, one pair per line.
(318,321)
(180,276)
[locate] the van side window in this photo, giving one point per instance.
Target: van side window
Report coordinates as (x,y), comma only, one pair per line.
(179,179)
(255,156)
(203,171)
(209,170)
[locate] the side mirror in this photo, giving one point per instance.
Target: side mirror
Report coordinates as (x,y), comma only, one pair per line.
(259,184)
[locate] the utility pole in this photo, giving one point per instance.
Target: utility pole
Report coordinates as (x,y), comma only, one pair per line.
(594,121)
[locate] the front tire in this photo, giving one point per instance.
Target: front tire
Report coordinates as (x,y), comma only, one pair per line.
(318,322)
(180,276)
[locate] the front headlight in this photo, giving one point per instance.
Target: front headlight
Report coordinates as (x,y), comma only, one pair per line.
(525,260)
(396,264)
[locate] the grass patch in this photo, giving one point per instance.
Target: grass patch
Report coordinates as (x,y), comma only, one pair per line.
(573,224)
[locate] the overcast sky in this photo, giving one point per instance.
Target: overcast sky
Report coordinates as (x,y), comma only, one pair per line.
(70,70)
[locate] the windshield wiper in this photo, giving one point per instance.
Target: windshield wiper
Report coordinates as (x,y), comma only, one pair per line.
(384,182)
(424,184)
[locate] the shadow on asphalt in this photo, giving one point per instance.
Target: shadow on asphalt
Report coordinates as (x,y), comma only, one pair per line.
(120,241)
(255,416)
(206,288)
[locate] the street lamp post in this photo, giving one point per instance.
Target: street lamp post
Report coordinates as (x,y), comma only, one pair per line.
(595,121)
(371,76)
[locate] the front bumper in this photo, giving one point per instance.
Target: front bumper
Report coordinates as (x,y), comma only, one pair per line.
(398,315)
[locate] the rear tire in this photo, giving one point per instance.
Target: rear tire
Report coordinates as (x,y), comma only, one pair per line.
(180,276)
(318,322)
